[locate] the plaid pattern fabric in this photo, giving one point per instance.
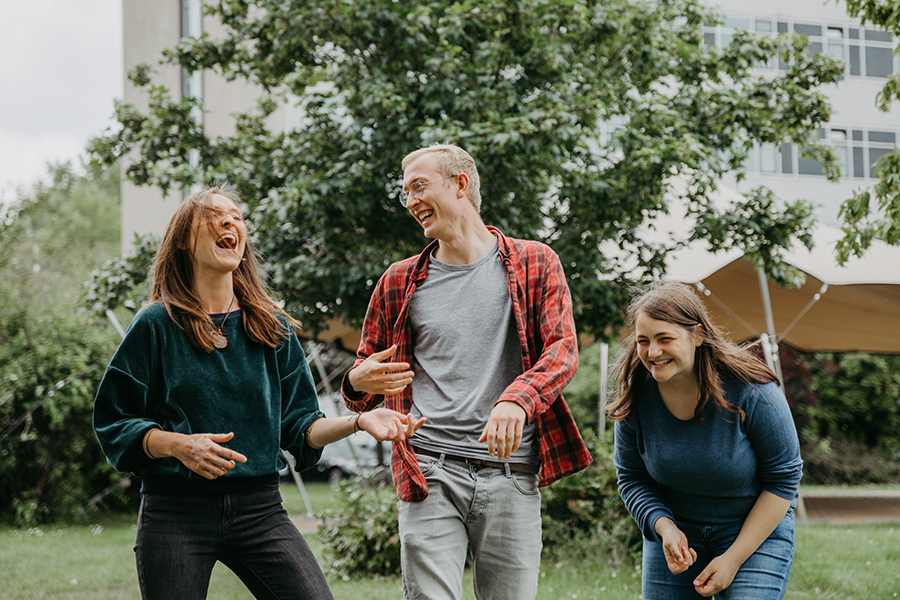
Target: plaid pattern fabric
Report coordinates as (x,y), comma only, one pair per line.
(542,307)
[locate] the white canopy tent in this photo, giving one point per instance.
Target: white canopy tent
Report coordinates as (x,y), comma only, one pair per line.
(850,308)
(855,307)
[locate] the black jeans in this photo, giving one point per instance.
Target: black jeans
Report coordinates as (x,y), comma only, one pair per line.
(180,538)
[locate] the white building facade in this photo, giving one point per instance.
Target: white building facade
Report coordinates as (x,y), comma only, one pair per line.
(859,132)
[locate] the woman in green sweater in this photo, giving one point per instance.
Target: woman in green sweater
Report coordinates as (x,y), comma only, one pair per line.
(206,389)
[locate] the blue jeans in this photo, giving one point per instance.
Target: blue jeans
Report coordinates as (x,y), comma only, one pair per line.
(496,511)
(180,538)
(764,576)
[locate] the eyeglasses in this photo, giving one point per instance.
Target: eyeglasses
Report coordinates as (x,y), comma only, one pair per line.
(417,189)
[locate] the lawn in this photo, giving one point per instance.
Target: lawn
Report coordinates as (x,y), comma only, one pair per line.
(96,562)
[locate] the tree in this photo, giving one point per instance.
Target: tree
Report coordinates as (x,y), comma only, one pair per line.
(875,214)
(51,354)
(579,113)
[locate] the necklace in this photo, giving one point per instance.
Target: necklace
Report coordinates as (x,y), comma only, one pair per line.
(218,338)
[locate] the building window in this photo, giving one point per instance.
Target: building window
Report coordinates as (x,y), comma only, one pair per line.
(867,55)
(857,152)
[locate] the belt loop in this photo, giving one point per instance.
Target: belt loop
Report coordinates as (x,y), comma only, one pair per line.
(440,464)
(506,469)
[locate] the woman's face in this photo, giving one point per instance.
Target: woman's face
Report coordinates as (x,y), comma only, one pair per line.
(218,237)
(667,350)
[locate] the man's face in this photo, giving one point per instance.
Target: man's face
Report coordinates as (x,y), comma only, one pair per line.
(442,205)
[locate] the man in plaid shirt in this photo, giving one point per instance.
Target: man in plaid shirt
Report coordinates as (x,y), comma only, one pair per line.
(475,337)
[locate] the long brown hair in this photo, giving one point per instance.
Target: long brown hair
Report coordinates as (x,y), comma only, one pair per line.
(716,358)
(173,279)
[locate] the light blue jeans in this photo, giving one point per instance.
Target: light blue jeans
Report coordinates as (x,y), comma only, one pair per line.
(764,576)
(496,511)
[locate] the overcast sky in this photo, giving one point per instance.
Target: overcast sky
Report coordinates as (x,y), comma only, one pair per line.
(60,69)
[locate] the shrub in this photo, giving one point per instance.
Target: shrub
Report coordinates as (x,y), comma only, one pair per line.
(50,238)
(858,398)
(361,537)
(584,515)
(827,461)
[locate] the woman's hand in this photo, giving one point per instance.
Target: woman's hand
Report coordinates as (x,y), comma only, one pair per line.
(717,576)
(203,455)
(199,452)
(679,556)
(386,425)
(764,517)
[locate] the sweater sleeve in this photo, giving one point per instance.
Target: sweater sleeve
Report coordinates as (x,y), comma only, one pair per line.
(122,402)
(771,430)
(637,488)
(299,403)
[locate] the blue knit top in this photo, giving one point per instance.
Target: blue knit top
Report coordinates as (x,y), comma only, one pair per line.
(710,472)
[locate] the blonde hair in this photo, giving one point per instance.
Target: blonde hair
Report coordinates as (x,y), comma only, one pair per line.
(450,161)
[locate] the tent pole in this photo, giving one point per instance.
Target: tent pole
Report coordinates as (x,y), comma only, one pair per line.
(776,363)
(601,398)
(770,325)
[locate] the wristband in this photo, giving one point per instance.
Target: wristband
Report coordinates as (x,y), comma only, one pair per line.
(146,444)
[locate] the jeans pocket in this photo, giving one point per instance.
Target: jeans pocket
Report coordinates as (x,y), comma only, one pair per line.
(526,483)
(427,464)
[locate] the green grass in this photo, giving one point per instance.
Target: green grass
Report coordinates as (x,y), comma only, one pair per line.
(320,495)
(96,562)
(858,562)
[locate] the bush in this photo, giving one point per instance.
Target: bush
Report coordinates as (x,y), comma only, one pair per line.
(828,462)
(858,398)
(50,239)
(361,537)
(583,514)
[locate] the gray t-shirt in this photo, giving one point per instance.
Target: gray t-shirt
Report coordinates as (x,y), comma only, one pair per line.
(466,352)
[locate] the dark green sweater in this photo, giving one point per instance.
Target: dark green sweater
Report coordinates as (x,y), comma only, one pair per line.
(156,378)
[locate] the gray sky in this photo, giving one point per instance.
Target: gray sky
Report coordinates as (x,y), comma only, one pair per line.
(60,69)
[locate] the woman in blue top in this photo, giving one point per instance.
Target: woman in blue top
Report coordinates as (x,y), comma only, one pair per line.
(707,455)
(207,388)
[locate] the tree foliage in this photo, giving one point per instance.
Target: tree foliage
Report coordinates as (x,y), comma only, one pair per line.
(875,214)
(50,239)
(579,114)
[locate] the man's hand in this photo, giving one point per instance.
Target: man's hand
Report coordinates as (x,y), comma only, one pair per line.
(503,431)
(374,376)
(679,556)
(717,576)
(386,425)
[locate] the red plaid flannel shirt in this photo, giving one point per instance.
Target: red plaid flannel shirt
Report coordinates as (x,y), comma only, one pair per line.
(542,307)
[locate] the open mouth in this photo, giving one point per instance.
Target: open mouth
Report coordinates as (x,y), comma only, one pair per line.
(660,363)
(424,215)
(227,241)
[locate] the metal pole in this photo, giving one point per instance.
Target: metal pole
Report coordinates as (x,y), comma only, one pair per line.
(770,325)
(299,481)
(601,400)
